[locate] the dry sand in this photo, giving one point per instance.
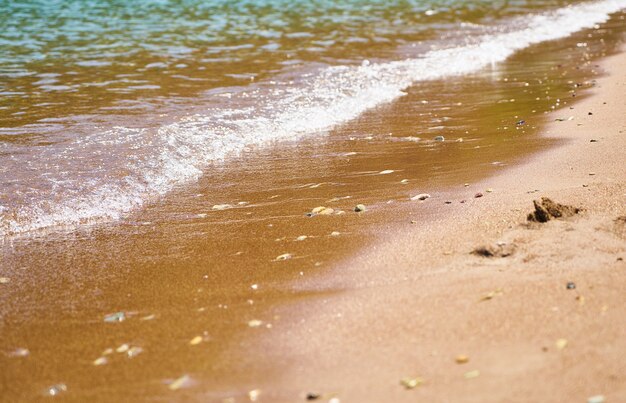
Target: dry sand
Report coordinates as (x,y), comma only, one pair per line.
(409,305)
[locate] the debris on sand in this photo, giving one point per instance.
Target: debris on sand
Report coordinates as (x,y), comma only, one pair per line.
(360,208)
(313,396)
(546,210)
(56,390)
(495,250)
(421,196)
(179,382)
(570,285)
(284,256)
(115,317)
(411,383)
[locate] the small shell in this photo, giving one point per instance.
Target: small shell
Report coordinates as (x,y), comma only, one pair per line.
(284,256)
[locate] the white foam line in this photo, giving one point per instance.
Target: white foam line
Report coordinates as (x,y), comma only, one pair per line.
(177,153)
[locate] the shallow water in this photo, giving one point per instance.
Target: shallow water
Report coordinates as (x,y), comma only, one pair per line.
(110,106)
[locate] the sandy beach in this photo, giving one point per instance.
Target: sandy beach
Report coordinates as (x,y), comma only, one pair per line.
(190,234)
(418,304)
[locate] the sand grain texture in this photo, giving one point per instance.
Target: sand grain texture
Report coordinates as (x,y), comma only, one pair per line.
(410,304)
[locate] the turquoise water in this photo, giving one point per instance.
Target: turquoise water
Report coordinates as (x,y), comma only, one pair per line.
(83,54)
(108,105)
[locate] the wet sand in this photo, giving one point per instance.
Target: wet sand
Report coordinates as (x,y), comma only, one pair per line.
(410,305)
(205,299)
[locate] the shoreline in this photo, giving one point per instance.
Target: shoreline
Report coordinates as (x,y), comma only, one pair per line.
(437,301)
(182,271)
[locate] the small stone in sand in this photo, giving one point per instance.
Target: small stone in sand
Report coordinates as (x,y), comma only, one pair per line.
(439,138)
(313,396)
(179,382)
(123,348)
(462,359)
(411,383)
(477,195)
(195,341)
(360,208)
(301,238)
(561,344)
(222,206)
(57,389)
(421,196)
(19,352)
(570,285)
(255,323)
(253,395)
(593,141)
(134,352)
(386,172)
(4,280)
(100,361)
(404,181)
(335,233)
(284,256)
(115,317)
(596,399)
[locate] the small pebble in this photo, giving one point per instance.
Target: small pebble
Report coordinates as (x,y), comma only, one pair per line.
(313,396)
(57,389)
(386,172)
(421,196)
(134,352)
(477,195)
(253,395)
(115,317)
(439,138)
(411,383)
(596,399)
(222,206)
(561,344)
(123,348)
(462,359)
(360,208)
(195,341)
(255,323)
(4,280)
(179,382)
(100,361)
(284,256)
(19,352)
(301,238)
(335,233)
(570,285)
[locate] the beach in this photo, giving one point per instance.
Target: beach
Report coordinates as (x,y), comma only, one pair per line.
(338,215)
(408,306)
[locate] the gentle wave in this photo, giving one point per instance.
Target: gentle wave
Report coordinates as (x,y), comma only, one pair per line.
(136,165)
